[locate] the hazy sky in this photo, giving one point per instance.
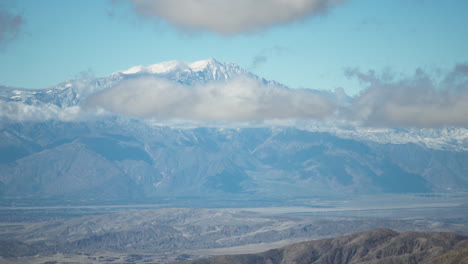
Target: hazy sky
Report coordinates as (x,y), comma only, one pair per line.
(301,43)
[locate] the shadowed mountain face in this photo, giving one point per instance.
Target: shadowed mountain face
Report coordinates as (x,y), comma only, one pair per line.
(381,246)
(128,159)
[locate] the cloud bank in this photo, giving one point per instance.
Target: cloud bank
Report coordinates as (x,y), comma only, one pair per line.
(21,112)
(231,17)
(421,100)
(416,101)
(241,99)
(10,25)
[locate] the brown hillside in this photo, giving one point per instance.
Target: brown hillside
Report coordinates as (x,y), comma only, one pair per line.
(381,246)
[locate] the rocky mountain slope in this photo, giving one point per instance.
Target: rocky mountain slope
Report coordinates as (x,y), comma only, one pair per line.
(381,246)
(125,159)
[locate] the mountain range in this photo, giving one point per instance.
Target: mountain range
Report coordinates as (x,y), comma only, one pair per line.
(52,144)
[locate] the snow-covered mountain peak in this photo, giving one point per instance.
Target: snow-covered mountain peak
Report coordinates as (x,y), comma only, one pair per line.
(166,67)
(211,68)
(204,64)
(162,67)
(133,70)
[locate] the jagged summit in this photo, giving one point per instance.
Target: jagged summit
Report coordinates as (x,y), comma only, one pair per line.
(203,64)
(209,69)
(69,93)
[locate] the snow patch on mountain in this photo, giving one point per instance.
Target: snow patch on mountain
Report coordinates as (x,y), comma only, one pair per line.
(447,138)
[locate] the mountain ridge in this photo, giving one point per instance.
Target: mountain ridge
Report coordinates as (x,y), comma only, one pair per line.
(380,246)
(65,101)
(228,70)
(140,158)
(133,160)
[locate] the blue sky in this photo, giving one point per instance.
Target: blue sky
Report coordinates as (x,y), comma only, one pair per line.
(59,39)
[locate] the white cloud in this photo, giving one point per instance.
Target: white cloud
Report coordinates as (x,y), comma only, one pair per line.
(241,99)
(19,112)
(231,16)
(417,101)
